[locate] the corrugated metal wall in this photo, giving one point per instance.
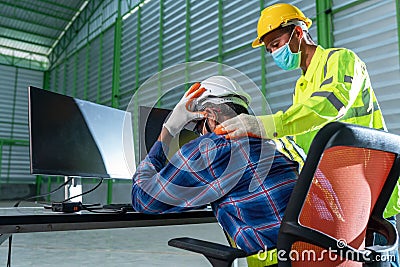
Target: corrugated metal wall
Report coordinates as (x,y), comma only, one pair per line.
(14,139)
(156,35)
(160,34)
(370,29)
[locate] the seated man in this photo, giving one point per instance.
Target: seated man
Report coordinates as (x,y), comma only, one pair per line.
(247,181)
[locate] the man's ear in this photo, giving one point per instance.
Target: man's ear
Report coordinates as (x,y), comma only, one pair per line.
(298,31)
(212,117)
(211,114)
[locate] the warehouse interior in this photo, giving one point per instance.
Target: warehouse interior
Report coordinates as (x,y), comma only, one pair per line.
(103,51)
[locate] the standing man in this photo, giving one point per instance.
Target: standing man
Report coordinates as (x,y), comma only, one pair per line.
(334,86)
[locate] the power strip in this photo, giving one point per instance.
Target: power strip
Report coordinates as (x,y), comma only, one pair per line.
(66,206)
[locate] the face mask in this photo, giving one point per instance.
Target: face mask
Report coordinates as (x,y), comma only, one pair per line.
(286,59)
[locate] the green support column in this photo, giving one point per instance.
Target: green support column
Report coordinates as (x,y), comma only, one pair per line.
(76,63)
(116,77)
(1,158)
(46,80)
(38,183)
(398,25)
(64,91)
(98,97)
(160,50)
(117,58)
(12,122)
(187,42)
(324,23)
(137,62)
(87,62)
(187,32)
(46,86)
(220,35)
(263,69)
(57,70)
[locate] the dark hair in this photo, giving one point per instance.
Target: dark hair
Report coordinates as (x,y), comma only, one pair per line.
(228,109)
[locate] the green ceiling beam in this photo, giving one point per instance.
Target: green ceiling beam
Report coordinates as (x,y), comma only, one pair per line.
(28,32)
(52,8)
(54,3)
(24,63)
(24,41)
(72,31)
(23,50)
(34,11)
(32,22)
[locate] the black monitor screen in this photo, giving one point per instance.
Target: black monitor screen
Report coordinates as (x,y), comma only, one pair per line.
(73,137)
(150,124)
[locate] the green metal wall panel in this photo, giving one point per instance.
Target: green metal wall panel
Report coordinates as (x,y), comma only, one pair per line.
(14,144)
(375,40)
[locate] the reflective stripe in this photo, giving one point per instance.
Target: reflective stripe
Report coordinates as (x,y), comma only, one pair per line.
(297,149)
(364,110)
(360,111)
(327,58)
(286,150)
(331,98)
(348,79)
(327,81)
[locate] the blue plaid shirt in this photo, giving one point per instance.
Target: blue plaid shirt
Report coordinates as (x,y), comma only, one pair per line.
(246,181)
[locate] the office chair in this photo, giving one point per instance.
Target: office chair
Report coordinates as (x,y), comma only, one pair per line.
(336,206)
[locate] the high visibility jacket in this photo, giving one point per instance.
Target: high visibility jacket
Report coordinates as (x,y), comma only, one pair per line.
(291,150)
(336,87)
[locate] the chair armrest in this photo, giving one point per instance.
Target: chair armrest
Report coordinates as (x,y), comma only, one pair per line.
(385,228)
(208,249)
(382,255)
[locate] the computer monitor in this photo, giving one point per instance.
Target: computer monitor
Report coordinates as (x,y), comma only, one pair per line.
(151,120)
(78,138)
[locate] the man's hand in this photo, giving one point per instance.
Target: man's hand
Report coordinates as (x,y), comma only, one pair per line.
(240,126)
(182,113)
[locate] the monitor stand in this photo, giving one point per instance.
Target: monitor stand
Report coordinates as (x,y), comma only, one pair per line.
(73,189)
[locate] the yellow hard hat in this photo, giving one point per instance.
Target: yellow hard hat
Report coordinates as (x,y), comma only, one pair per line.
(276,15)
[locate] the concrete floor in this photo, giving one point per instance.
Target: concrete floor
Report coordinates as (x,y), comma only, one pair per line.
(109,248)
(143,246)
(138,247)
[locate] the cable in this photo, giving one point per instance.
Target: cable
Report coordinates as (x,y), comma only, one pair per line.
(84,193)
(102,210)
(25,199)
(46,194)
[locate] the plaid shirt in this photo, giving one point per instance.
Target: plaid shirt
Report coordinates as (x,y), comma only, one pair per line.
(246,181)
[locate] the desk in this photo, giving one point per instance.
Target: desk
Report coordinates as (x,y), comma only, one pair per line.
(38,219)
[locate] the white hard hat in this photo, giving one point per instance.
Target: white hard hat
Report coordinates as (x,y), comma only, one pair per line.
(222,89)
